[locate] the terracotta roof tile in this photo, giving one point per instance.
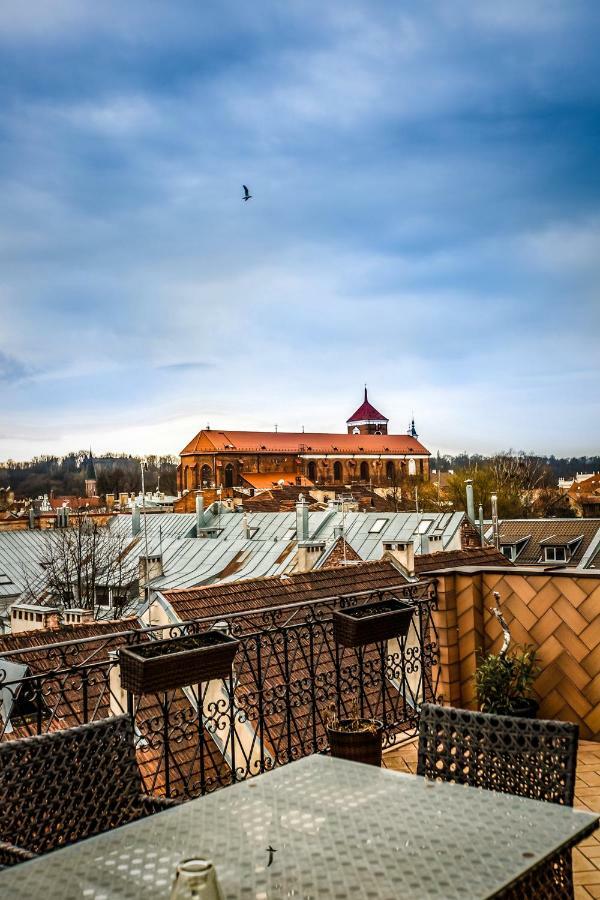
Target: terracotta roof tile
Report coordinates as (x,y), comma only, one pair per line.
(256,593)
(301,442)
(450,559)
(537,530)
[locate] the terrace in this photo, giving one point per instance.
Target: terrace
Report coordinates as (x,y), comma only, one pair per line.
(270,712)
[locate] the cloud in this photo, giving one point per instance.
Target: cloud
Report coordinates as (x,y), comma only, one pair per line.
(425,217)
(183,367)
(12,370)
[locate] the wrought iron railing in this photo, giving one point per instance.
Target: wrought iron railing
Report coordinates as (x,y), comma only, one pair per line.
(287,672)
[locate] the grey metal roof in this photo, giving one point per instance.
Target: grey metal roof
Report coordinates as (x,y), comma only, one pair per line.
(20,555)
(230,555)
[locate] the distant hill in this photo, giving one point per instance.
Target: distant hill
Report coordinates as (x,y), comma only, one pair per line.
(65,474)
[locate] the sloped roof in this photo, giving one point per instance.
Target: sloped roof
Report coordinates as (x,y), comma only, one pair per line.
(268,480)
(366,412)
(538,531)
(339,553)
(256,593)
(301,443)
(451,559)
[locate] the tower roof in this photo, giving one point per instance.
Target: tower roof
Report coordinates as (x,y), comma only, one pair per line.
(366,413)
(89,468)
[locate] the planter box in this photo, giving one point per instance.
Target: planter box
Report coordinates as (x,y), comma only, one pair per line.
(371,622)
(176,662)
(357,746)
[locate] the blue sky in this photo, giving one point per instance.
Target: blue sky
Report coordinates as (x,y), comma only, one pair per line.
(426,219)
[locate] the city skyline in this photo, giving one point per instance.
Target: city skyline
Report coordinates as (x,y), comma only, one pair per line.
(425,217)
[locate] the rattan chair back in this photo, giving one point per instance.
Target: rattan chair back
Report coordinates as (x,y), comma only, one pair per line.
(64,786)
(533,758)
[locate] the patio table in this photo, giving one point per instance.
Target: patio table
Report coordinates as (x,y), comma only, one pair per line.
(317,828)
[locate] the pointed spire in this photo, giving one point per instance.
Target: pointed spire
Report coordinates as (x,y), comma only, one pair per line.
(366,398)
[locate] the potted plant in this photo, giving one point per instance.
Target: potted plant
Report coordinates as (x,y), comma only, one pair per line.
(154,666)
(354,738)
(371,622)
(504,683)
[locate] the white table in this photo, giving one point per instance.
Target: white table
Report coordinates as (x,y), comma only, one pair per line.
(338,830)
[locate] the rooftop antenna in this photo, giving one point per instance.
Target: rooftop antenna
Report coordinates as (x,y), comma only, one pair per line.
(275,428)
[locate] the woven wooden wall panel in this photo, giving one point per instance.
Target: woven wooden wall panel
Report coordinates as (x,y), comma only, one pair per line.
(559,614)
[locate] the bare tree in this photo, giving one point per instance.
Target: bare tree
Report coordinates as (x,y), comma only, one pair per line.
(85,565)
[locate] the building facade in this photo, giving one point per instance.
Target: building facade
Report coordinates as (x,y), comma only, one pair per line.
(365,454)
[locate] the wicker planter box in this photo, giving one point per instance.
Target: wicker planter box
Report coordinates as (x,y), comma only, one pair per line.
(357,746)
(176,662)
(372,622)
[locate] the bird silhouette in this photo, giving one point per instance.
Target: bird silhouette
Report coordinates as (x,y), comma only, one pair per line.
(247,194)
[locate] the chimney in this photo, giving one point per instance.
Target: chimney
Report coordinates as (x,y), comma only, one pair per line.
(155,569)
(403,553)
(247,532)
(307,555)
(200,520)
(117,696)
(481,526)
(301,521)
(31,617)
(495,522)
(52,619)
(31,517)
(470,500)
(135,520)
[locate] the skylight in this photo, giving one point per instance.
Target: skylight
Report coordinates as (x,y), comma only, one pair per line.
(424,526)
(377,526)
(4,579)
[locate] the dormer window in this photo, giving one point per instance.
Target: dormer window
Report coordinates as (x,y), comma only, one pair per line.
(512,551)
(560,551)
(555,554)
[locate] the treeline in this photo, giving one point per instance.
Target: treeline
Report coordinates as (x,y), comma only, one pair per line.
(66,474)
(555,467)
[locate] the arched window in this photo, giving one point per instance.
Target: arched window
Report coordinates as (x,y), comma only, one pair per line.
(337,471)
(228,475)
(206,477)
(412,467)
(186,478)
(312,470)
(364,471)
(390,470)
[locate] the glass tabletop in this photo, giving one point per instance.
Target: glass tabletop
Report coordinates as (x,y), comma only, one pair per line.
(317,828)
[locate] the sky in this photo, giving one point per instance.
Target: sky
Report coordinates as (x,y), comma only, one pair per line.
(425,218)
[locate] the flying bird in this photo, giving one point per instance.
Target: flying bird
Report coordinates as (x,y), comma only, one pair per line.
(247,194)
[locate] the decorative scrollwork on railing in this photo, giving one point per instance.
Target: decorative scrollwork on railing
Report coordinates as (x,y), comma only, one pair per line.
(287,671)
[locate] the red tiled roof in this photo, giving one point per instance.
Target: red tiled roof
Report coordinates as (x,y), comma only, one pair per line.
(451,559)
(366,412)
(301,443)
(256,593)
(267,480)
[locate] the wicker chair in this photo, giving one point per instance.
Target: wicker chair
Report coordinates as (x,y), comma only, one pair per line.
(532,758)
(61,787)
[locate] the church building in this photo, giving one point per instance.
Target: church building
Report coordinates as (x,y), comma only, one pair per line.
(257,459)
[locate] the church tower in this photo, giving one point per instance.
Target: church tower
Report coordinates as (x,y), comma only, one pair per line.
(90,476)
(367,420)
